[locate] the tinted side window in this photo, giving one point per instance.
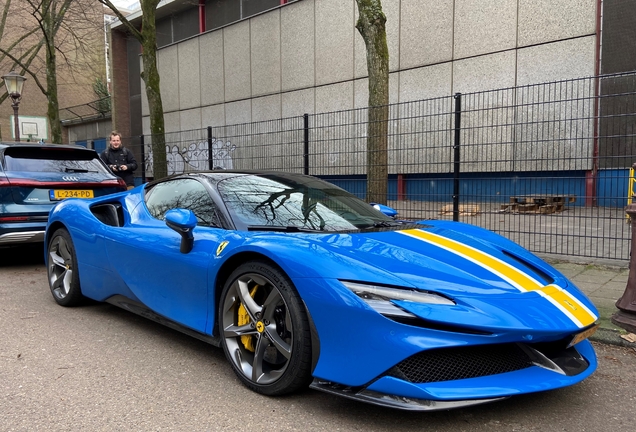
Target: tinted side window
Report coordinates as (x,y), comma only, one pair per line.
(182,193)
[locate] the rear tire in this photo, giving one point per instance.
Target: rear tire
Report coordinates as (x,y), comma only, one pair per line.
(265,330)
(62,269)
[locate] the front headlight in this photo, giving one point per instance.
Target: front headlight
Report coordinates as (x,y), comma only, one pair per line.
(380,298)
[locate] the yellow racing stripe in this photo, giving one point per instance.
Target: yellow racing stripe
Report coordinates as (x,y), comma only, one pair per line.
(561,299)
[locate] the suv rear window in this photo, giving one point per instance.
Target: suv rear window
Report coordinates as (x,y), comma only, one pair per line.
(47,159)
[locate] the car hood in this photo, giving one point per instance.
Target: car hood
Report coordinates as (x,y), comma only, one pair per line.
(493,281)
(448,259)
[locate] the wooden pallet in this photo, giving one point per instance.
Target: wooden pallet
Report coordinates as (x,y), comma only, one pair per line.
(542,204)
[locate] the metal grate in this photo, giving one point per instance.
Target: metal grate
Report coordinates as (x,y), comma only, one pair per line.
(461,363)
(545,165)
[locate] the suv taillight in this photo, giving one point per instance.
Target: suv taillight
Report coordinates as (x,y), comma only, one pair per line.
(119,182)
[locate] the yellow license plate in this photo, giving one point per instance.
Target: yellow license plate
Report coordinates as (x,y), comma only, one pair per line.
(60,194)
(583,335)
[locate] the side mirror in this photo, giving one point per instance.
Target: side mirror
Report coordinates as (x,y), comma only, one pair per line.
(388,211)
(182,221)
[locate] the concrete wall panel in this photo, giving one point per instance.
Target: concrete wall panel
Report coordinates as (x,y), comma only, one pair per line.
(266,108)
(213,116)
(425,82)
(145,121)
(297,45)
(335,97)
(487,72)
(484,26)
(190,119)
(236,61)
(549,20)
(238,112)
(168,64)
(189,79)
(172,121)
(334,41)
(211,64)
(298,103)
(556,61)
(265,47)
(426,32)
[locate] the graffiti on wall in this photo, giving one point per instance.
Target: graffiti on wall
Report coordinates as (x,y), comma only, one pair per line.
(194,157)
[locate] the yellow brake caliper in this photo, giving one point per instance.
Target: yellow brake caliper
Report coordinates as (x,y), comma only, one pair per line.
(244,318)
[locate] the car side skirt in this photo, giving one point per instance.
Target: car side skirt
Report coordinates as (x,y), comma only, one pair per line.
(143,311)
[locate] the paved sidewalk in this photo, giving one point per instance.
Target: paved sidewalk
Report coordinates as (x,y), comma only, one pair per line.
(604,285)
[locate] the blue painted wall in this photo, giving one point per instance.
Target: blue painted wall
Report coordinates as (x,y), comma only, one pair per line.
(499,187)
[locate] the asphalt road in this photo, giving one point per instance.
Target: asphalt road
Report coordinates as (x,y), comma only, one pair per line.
(99,368)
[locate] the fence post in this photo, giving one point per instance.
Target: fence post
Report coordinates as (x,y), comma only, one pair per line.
(210,155)
(306,144)
(456,155)
(143,159)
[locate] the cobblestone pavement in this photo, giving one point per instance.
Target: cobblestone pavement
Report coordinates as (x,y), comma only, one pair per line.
(604,285)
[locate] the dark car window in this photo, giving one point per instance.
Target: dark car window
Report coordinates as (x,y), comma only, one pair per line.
(182,193)
(47,159)
(304,203)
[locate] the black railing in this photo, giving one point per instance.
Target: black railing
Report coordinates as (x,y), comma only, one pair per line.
(546,165)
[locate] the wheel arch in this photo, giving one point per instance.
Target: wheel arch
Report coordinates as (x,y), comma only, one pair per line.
(224,273)
(54,226)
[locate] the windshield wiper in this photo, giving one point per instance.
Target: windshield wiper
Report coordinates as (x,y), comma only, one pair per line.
(280,228)
(386,224)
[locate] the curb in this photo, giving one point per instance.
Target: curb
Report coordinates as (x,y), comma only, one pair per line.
(611,337)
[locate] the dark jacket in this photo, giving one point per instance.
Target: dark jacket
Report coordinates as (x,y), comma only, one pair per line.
(119,157)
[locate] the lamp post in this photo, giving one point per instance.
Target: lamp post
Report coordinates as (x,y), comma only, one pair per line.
(14,83)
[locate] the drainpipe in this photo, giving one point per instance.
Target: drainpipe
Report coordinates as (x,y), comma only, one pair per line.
(592,175)
(201,16)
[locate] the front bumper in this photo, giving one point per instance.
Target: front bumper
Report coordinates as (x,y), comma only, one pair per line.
(543,374)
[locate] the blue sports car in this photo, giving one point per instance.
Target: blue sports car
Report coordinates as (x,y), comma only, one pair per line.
(303,284)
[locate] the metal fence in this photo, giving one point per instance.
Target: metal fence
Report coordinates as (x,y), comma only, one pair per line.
(546,165)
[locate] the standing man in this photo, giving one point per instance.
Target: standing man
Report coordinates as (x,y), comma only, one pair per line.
(120,160)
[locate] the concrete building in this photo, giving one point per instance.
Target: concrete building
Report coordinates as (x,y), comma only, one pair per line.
(228,62)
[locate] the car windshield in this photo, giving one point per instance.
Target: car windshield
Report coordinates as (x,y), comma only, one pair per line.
(47,159)
(295,203)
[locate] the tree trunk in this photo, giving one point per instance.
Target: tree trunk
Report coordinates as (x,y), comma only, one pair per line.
(53,110)
(150,75)
(371,25)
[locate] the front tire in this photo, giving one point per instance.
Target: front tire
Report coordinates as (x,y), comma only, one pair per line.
(265,330)
(62,269)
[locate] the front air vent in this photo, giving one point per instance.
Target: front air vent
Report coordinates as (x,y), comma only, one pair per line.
(546,278)
(457,363)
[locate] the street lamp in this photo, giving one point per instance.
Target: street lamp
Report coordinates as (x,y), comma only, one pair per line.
(14,83)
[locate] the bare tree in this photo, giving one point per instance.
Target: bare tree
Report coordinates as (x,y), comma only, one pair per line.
(49,28)
(372,26)
(147,37)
